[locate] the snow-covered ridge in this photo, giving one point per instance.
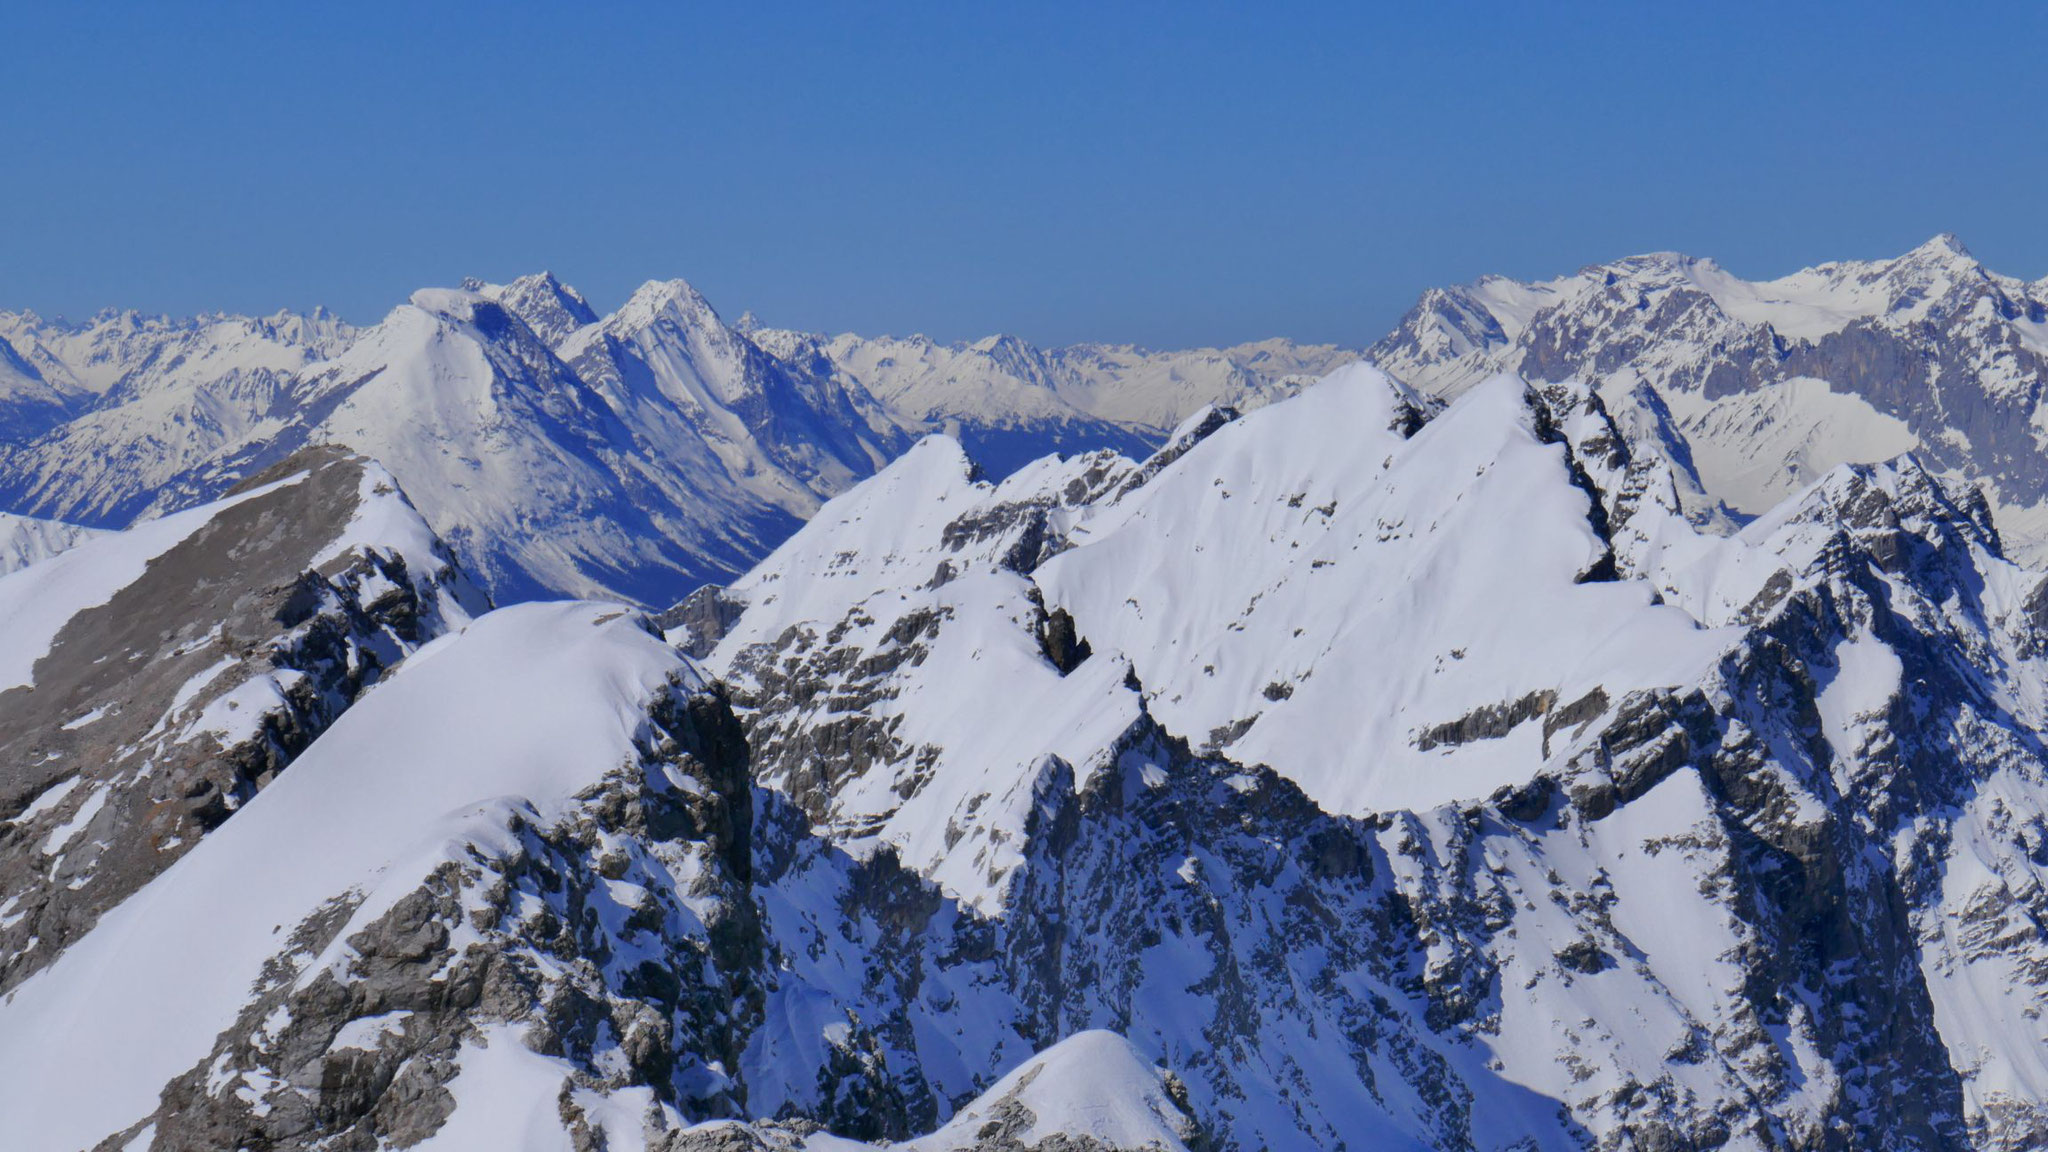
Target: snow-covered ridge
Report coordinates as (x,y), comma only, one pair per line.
(1368,769)
(1590,818)
(1437,768)
(508,719)
(1009,401)
(156,678)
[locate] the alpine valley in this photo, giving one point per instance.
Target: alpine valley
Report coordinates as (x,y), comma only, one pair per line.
(1606,713)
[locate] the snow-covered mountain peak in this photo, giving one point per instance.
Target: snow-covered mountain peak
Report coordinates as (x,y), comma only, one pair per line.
(1091,1086)
(458,304)
(549,307)
(1242,590)
(675,301)
(1943,248)
(1342,508)
(1882,495)
(695,358)
(1003,347)
(1398,768)
(1585,744)
(880,534)
(319,329)
(135,351)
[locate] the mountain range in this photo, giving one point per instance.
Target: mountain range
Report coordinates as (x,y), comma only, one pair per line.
(1613,715)
(634,456)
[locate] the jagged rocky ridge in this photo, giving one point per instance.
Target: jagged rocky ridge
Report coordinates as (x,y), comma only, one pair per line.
(559,452)
(1396,771)
(1745,856)
(525,895)
(1766,884)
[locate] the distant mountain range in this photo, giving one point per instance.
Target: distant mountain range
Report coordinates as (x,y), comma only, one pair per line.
(636,455)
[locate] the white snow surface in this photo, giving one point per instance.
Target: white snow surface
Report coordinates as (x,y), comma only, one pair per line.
(506,1101)
(1386,586)
(1754,450)
(1093,1084)
(1306,588)
(518,712)
(24,540)
(871,555)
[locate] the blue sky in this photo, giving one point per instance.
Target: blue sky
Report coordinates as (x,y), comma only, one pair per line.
(1161,173)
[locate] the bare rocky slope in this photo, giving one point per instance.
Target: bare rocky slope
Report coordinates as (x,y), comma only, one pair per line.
(156,680)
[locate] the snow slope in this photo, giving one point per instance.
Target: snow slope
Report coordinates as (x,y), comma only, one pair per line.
(161,676)
(38,601)
(516,714)
(532,475)
(26,539)
(1434,769)
(1267,594)
(1685,837)
(1092,1084)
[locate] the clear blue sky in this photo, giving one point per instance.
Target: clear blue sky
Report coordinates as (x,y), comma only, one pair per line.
(1166,174)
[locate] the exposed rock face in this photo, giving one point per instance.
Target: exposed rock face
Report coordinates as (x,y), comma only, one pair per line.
(637,949)
(583,942)
(157,713)
(699,621)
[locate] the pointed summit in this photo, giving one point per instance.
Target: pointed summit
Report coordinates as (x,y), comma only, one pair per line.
(674,299)
(1943,254)
(1945,244)
(546,305)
